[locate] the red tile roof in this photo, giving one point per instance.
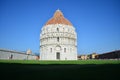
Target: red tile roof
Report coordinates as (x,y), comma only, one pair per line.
(58,18)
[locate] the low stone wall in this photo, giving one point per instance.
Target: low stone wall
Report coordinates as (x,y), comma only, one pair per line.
(9,54)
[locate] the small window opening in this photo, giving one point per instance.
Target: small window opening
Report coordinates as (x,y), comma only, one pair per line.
(58,39)
(50,49)
(64,49)
(57,29)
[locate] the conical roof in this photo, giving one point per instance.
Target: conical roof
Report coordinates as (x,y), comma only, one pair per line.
(58,18)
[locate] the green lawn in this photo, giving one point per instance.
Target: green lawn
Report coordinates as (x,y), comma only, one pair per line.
(60,70)
(62,62)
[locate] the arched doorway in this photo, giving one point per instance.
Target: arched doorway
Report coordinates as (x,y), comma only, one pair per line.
(58,55)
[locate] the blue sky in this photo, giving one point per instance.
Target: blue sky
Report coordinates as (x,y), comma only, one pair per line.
(97,23)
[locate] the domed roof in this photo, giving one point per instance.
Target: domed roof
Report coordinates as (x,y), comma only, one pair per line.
(58,18)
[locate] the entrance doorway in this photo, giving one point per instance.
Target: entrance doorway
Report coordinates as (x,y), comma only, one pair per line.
(58,55)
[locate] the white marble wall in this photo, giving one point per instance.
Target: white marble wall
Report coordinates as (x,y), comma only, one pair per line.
(67,39)
(5,54)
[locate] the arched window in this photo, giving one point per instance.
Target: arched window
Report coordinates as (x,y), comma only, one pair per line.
(63,29)
(50,49)
(57,29)
(57,39)
(64,49)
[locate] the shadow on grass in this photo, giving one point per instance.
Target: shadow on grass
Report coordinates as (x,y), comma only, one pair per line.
(60,71)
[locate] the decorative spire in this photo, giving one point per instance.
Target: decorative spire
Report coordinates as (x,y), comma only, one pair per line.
(58,9)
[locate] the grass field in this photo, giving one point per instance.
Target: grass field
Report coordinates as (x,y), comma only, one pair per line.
(62,62)
(60,70)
